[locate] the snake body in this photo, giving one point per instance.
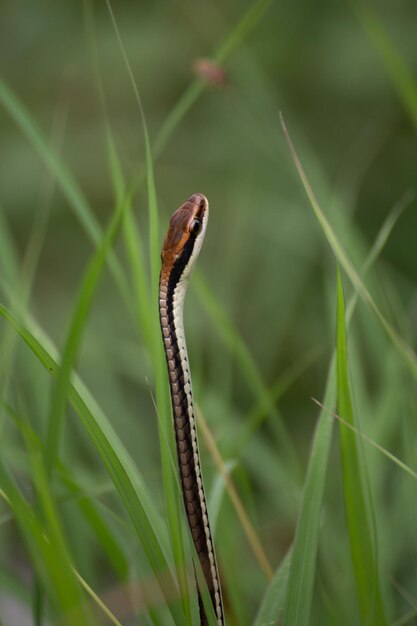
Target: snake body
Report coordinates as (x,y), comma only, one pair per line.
(180,250)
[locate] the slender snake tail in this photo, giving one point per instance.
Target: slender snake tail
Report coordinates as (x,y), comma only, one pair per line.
(181,247)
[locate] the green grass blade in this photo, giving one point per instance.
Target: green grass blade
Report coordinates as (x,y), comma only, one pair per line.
(362,541)
(167,444)
(152,201)
(8,253)
(302,569)
(63,176)
(49,558)
(403,466)
(400,74)
(246,363)
(101,530)
(136,256)
(83,499)
(133,242)
(387,227)
(407,354)
(68,184)
(22,278)
(272,603)
(52,522)
(245,25)
(303,561)
(263,406)
(97,600)
(73,341)
(70,579)
(242,515)
(129,485)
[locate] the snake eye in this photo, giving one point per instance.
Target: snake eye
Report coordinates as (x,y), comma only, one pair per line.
(195,227)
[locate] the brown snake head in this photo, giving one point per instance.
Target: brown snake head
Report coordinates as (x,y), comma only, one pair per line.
(186,230)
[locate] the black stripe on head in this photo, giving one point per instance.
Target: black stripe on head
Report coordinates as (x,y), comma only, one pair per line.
(180,265)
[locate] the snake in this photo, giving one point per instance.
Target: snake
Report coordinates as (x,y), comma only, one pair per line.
(181,247)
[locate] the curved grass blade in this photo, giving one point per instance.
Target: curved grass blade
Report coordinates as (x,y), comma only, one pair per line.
(49,556)
(119,465)
(73,341)
(404,350)
(302,571)
(64,179)
(68,184)
(237,35)
(100,528)
(262,407)
(172,495)
(53,534)
(133,242)
(359,522)
(272,603)
(83,498)
(245,361)
(74,195)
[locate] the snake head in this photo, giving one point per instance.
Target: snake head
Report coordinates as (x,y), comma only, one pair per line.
(187,224)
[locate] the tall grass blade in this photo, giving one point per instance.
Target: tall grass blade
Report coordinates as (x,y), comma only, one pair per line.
(82,497)
(73,341)
(407,354)
(49,557)
(246,363)
(302,569)
(303,561)
(21,116)
(246,24)
(141,292)
(81,614)
(133,243)
(99,527)
(272,603)
(166,436)
(362,541)
(67,183)
(136,500)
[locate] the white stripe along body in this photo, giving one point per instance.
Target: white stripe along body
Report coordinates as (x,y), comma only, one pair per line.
(181,247)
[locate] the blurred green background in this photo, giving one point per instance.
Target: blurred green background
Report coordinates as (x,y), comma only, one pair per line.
(343,76)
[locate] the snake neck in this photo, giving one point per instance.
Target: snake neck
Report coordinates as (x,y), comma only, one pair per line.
(171,305)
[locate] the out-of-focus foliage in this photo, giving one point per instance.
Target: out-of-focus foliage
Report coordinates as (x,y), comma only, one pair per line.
(260,316)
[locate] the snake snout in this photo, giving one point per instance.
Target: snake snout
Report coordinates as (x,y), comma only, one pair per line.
(198,198)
